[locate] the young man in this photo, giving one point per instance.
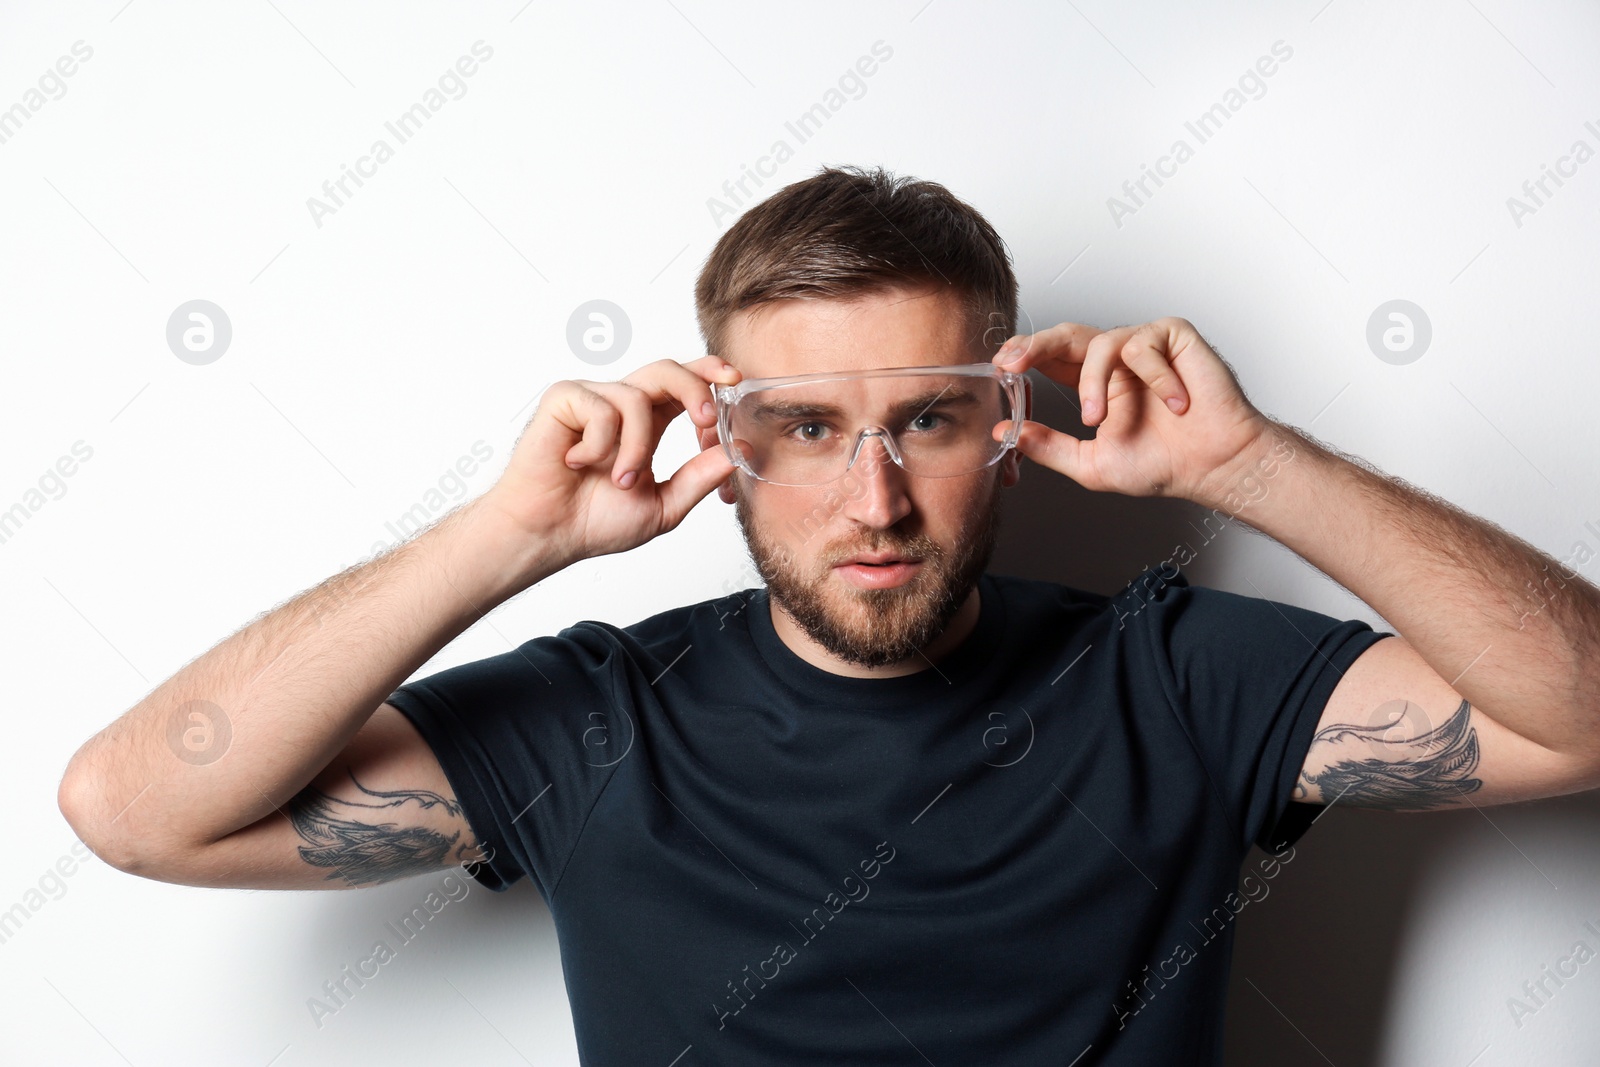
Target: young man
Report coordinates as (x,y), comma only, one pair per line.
(889,808)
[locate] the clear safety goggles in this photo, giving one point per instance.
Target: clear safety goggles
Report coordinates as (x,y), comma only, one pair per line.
(933,422)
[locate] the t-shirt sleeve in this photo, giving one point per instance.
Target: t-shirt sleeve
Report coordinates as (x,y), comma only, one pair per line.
(1248,679)
(524,739)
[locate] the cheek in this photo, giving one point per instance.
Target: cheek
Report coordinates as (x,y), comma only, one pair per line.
(788,522)
(959,507)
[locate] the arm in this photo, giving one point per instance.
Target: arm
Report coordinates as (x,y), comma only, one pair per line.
(1491,691)
(381,810)
(224,753)
(1492,688)
(209,779)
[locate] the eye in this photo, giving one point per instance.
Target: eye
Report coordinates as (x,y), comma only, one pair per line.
(800,429)
(928,415)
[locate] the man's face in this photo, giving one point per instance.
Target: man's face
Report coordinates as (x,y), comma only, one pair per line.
(799,535)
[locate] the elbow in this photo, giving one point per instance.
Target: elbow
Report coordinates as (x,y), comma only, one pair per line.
(83,808)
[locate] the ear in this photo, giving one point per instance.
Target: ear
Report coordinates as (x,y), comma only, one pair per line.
(1011,465)
(708,439)
(1011,468)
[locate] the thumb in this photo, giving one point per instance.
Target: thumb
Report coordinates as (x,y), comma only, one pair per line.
(690,484)
(1061,452)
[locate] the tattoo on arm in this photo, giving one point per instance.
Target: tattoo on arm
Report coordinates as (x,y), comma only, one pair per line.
(349,837)
(1365,768)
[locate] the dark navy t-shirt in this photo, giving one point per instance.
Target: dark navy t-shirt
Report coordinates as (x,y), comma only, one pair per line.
(1027,853)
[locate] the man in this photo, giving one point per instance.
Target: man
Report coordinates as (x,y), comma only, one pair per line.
(889,808)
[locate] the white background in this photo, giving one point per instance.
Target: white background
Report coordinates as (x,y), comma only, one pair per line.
(429,311)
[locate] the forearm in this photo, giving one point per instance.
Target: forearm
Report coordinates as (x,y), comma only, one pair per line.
(1515,632)
(244,727)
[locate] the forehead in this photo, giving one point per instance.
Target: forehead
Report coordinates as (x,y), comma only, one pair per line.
(894,328)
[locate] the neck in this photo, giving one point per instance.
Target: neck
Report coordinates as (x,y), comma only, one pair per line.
(961,624)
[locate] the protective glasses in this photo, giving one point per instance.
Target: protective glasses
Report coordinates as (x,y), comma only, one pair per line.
(809,429)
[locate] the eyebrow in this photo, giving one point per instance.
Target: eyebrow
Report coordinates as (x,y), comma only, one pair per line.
(775,410)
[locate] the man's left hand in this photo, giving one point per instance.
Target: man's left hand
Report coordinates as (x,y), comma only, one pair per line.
(1172,420)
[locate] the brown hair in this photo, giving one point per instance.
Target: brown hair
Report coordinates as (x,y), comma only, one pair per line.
(846,231)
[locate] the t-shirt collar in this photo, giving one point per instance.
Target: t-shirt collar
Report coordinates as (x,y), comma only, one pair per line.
(943,679)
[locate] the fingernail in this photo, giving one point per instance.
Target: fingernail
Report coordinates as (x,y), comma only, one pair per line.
(707,410)
(627,480)
(1175,403)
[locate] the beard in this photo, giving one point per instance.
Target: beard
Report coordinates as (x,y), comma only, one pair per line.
(874,627)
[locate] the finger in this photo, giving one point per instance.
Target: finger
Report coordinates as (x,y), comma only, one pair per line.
(637,441)
(690,483)
(1061,452)
(713,368)
(1098,363)
(1146,355)
(678,387)
(584,412)
(1064,344)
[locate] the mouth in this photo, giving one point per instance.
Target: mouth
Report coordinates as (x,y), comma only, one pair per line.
(878,572)
(880,560)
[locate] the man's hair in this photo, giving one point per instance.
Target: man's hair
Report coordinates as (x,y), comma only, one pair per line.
(848,231)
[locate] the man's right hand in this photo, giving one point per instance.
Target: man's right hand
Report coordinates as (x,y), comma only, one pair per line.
(608,429)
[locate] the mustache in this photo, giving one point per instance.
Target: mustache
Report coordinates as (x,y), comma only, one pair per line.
(910,548)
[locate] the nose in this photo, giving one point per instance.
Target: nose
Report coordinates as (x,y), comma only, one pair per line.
(881,500)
